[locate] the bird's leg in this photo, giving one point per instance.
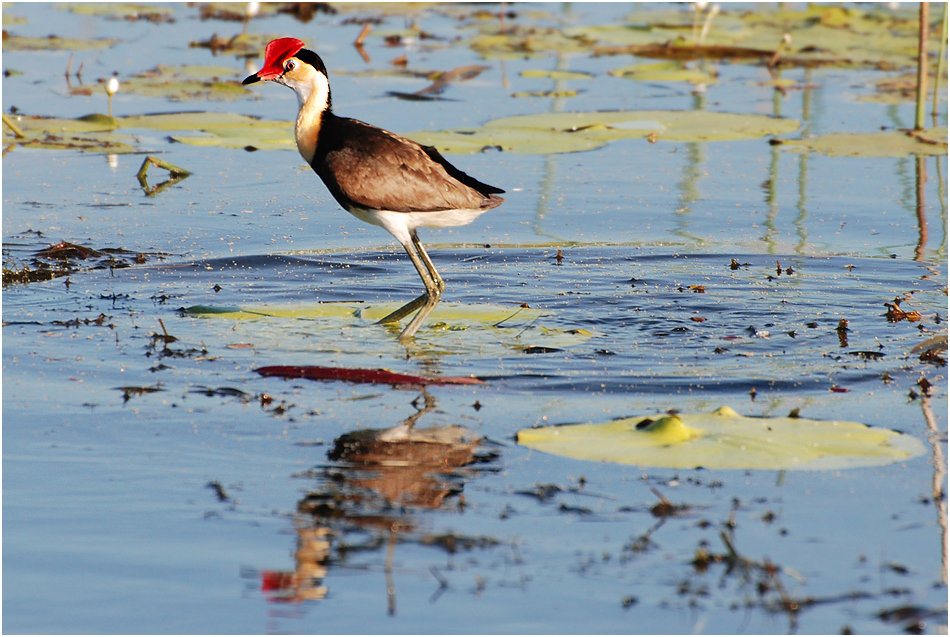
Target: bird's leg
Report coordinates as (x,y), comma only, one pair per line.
(405,310)
(428,262)
(425,302)
(416,322)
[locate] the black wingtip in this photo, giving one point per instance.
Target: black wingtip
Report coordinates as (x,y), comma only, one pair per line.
(250,79)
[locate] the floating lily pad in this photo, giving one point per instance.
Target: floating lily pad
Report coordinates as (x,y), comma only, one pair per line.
(510,140)
(568,93)
(10,20)
(822,34)
(444,312)
(893,90)
(120,10)
(240,44)
(724,439)
(89,143)
(485,326)
(276,138)
(54,43)
(568,132)
(194,120)
(557,75)
(526,42)
(886,144)
(92,134)
(663,72)
(189,82)
(220,129)
(234,11)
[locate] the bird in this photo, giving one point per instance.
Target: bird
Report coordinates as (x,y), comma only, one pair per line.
(379,177)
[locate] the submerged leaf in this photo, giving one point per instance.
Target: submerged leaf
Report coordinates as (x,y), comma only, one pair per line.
(724,439)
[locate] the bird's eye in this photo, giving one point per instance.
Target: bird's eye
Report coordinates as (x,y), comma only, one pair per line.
(290,66)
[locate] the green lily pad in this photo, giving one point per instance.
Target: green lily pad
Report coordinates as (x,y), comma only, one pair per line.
(235,11)
(89,123)
(54,43)
(194,120)
(92,134)
(568,132)
(886,144)
(240,44)
(526,42)
(822,34)
(568,93)
(444,312)
(89,143)
(119,10)
(260,139)
(893,90)
(10,20)
(663,72)
(724,439)
(219,129)
(557,75)
(510,140)
(197,120)
(185,83)
(487,327)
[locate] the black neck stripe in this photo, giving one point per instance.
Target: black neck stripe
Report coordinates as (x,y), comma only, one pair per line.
(312,59)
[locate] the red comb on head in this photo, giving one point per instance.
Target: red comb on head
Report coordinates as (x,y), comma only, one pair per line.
(276,52)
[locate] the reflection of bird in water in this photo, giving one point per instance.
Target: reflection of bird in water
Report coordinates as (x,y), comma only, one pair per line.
(305,582)
(379,475)
(404,464)
(377,176)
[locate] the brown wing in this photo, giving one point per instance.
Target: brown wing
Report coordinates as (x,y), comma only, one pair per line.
(368,167)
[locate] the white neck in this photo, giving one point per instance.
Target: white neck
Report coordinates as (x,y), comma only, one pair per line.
(313,98)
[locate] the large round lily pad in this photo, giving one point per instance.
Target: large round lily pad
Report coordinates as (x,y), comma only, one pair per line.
(276,328)
(723,439)
(568,132)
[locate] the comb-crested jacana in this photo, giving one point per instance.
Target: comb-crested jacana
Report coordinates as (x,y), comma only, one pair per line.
(377,176)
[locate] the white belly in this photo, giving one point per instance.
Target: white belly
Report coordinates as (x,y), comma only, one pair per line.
(401,224)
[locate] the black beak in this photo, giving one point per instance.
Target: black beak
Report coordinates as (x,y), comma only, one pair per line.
(250,79)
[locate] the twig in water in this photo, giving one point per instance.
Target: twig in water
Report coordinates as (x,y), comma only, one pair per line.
(17,132)
(177,174)
(358,43)
(924,28)
(940,58)
(713,12)
(786,40)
